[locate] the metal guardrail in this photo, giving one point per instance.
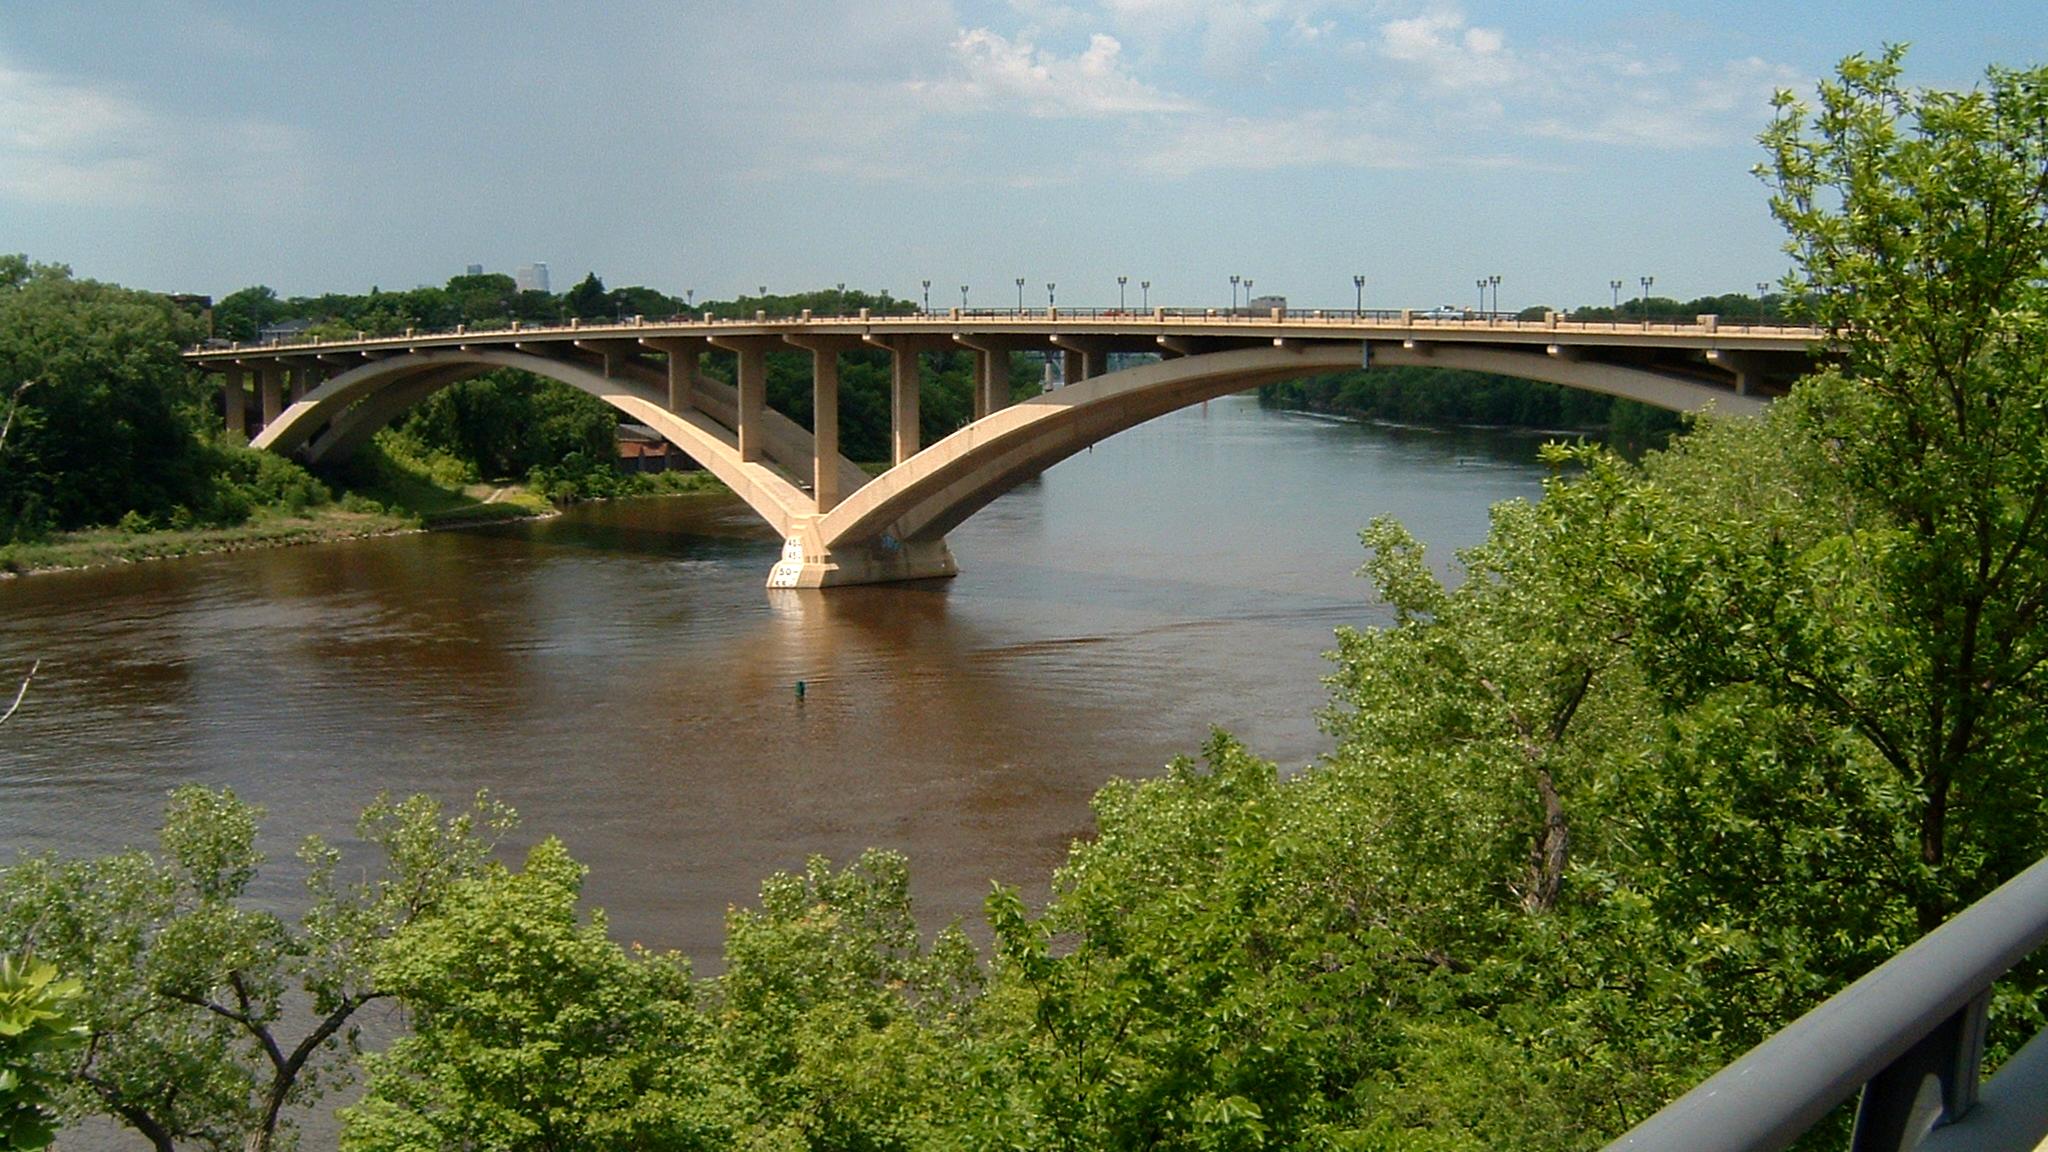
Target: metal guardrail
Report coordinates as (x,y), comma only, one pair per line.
(1910,1035)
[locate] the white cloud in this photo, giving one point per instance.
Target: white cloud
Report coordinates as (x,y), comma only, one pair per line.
(1568,92)
(1050,15)
(1448,52)
(1318,138)
(1236,36)
(1235,42)
(994,72)
(63,142)
(1634,104)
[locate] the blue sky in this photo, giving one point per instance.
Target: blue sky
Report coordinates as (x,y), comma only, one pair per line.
(205,145)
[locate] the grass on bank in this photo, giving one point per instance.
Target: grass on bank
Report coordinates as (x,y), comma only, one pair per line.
(394,485)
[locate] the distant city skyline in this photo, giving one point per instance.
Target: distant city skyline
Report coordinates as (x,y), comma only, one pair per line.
(209,145)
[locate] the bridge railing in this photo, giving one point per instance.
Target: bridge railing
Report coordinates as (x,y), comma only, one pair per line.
(1910,1036)
(1421,319)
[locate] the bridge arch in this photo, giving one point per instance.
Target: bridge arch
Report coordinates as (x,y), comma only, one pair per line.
(927,495)
(893,527)
(336,418)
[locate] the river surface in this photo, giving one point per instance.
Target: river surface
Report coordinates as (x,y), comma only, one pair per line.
(620,676)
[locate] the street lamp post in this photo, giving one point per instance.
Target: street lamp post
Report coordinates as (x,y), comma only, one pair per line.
(1233,294)
(1482,296)
(1145,294)
(1050,301)
(689,297)
(1120,282)
(1020,294)
(1358,308)
(839,302)
(1647,281)
(1614,313)
(1495,281)
(963,297)
(1762,286)
(1247,295)
(927,297)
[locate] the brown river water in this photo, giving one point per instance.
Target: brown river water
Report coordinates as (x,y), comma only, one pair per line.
(620,675)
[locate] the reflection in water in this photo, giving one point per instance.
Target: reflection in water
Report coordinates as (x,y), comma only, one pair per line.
(621,677)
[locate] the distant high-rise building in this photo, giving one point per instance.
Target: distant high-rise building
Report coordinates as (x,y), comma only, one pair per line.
(532,277)
(476,270)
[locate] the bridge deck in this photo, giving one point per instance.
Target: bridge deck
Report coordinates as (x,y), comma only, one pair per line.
(1140,330)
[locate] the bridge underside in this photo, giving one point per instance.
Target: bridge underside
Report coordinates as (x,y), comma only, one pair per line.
(839,527)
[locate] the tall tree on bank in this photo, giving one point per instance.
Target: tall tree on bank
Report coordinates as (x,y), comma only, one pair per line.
(588,300)
(209,1022)
(1919,223)
(97,406)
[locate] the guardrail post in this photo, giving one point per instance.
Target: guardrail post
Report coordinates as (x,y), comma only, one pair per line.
(1934,1082)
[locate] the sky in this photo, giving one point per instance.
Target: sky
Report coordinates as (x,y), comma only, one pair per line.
(209,145)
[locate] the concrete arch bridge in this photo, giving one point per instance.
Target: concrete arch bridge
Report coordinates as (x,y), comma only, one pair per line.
(320,401)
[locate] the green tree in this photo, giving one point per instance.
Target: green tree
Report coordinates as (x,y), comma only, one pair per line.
(188,992)
(588,299)
(507,423)
(240,314)
(486,297)
(101,409)
(634,300)
(531,1030)
(37,1014)
(1919,223)
(843,1028)
(1628,861)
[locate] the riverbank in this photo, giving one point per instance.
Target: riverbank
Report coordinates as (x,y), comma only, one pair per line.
(399,503)
(343,520)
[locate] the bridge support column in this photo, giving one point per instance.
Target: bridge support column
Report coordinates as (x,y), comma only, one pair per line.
(993,391)
(682,373)
(980,387)
(271,387)
(883,561)
(753,401)
(1071,368)
(825,428)
(992,370)
(234,400)
(904,376)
